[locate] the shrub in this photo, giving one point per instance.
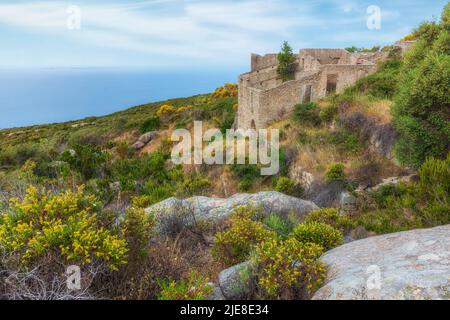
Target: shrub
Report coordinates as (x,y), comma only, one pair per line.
(288,186)
(87,159)
(166,109)
(307,114)
(138,229)
(227,90)
(319,233)
(246,173)
(335,173)
(286,59)
(421,109)
(328,113)
(434,180)
(278,224)
(66,224)
(233,245)
(288,269)
(195,287)
(332,217)
(150,124)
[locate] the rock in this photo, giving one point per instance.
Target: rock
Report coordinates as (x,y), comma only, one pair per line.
(147,137)
(234,282)
(411,265)
(138,145)
(216,294)
(326,195)
(348,202)
(394,181)
(304,178)
(214,209)
(358,233)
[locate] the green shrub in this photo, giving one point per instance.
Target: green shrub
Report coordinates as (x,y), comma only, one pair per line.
(139,229)
(87,159)
(328,113)
(319,233)
(307,114)
(336,173)
(288,186)
(288,269)
(233,245)
(150,124)
(281,226)
(421,109)
(332,217)
(246,173)
(434,180)
(285,60)
(195,287)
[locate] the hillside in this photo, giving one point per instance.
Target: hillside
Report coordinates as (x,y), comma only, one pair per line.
(98,192)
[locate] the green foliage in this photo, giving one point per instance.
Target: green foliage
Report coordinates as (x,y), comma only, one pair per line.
(383,83)
(328,113)
(286,59)
(246,173)
(234,245)
(319,233)
(336,173)
(87,159)
(288,269)
(332,217)
(150,124)
(288,186)
(412,205)
(421,109)
(281,226)
(138,229)
(307,114)
(195,287)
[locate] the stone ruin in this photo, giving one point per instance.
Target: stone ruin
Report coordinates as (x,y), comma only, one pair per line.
(263,97)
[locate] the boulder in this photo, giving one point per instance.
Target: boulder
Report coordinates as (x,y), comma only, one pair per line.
(411,265)
(144,139)
(215,209)
(348,202)
(302,177)
(234,282)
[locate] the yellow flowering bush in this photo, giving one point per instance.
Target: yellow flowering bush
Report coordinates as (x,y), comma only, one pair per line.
(195,287)
(227,90)
(332,217)
(319,233)
(66,223)
(234,244)
(288,269)
(165,109)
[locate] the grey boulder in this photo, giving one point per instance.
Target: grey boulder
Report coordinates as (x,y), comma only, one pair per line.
(411,265)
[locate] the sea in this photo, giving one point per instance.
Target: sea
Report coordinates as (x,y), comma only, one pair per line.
(42,96)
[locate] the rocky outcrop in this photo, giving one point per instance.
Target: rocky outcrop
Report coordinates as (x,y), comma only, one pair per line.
(215,209)
(407,265)
(145,139)
(234,281)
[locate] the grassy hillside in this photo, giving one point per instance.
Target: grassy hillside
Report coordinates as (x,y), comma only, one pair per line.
(75,193)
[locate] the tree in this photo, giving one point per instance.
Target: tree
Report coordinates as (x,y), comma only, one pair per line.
(285,60)
(422,107)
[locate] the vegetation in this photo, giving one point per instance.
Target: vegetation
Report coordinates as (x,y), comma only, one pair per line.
(319,233)
(286,58)
(421,111)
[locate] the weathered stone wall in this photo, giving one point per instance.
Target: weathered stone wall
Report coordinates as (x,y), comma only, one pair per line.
(263,97)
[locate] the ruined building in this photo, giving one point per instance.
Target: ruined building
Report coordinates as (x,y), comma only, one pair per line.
(263,97)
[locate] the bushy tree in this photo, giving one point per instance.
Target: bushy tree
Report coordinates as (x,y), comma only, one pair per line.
(285,60)
(422,108)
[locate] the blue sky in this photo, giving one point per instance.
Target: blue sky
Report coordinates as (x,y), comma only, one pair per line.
(176,34)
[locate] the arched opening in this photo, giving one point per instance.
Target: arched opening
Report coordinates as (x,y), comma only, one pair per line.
(253,125)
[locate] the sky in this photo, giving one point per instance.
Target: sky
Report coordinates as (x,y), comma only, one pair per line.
(191,34)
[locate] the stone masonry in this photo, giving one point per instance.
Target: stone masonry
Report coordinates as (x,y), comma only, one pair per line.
(263,97)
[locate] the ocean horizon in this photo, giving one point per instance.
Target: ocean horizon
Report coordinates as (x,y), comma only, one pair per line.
(43,96)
